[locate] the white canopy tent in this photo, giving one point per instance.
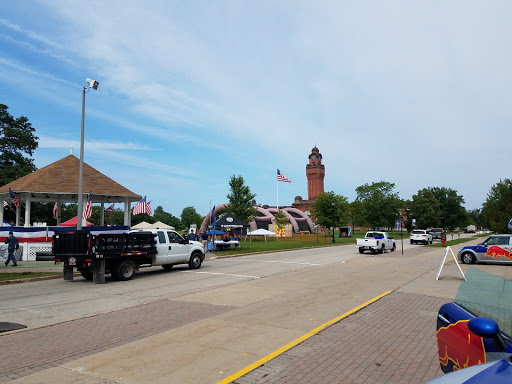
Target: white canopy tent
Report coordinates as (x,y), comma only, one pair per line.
(160,225)
(142,225)
(261,232)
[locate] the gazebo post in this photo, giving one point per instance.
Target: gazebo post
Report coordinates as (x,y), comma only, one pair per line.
(18,213)
(2,216)
(127,212)
(59,210)
(102,215)
(27,210)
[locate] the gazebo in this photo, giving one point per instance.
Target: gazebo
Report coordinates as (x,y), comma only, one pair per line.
(58,182)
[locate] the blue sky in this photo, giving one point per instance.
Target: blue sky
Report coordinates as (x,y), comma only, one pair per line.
(191,93)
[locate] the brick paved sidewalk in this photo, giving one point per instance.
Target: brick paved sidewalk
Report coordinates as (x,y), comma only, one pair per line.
(34,350)
(391,341)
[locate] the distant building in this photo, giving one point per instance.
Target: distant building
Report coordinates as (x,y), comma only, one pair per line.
(315,173)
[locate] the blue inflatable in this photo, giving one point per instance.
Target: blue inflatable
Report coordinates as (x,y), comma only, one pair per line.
(510,225)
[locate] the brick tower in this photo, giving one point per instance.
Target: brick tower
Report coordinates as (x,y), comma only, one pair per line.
(315,172)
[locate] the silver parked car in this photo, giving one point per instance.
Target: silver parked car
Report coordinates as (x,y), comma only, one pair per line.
(495,249)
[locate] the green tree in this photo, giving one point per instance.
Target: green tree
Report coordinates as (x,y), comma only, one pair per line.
(240,199)
(327,214)
(354,214)
(280,219)
(116,217)
(425,208)
(379,204)
(190,216)
(453,213)
(17,140)
(476,218)
(165,217)
(497,209)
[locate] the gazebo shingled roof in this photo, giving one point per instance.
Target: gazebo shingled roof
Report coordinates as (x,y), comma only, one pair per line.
(60,179)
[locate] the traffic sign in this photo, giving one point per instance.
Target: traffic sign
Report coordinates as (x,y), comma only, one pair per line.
(397,224)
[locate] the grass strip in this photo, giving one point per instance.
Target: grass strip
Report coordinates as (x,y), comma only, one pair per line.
(25,275)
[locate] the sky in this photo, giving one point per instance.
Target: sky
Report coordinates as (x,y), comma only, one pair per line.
(191,93)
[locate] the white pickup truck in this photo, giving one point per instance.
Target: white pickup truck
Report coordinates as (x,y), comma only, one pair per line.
(376,241)
(122,254)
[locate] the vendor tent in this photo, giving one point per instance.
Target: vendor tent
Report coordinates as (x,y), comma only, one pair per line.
(160,225)
(261,232)
(230,221)
(217,232)
(72,223)
(142,225)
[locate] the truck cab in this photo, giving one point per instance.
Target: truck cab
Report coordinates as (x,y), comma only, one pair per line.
(173,248)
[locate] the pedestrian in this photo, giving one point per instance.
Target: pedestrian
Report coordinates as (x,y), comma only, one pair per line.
(11,247)
(204,238)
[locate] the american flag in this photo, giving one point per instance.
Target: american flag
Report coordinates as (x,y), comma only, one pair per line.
(281,177)
(5,204)
(110,209)
(88,208)
(142,207)
(55,210)
(14,198)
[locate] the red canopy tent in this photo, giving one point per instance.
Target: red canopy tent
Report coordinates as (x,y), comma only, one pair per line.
(72,223)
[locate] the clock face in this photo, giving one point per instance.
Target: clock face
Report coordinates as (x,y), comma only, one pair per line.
(313,157)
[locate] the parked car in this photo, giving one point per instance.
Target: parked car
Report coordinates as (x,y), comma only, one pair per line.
(438,233)
(421,236)
(495,249)
(473,332)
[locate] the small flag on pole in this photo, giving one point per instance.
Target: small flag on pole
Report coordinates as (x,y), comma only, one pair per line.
(88,208)
(14,198)
(142,207)
(55,210)
(5,204)
(109,209)
(281,177)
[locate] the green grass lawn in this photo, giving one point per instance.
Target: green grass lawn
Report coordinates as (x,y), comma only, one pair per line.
(26,275)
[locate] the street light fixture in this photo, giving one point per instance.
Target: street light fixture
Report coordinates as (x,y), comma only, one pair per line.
(332,203)
(79,211)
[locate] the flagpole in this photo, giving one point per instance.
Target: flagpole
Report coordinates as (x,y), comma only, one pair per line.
(277,184)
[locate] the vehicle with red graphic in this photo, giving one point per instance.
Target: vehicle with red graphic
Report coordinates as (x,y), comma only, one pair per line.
(474,331)
(495,249)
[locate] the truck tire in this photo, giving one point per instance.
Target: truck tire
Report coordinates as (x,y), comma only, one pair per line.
(361,250)
(394,248)
(124,270)
(195,261)
(381,250)
(412,242)
(167,267)
(467,258)
(86,275)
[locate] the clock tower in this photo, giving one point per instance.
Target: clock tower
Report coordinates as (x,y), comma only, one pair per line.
(315,172)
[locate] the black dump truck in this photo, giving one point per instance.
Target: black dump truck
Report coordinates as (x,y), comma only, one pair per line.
(119,254)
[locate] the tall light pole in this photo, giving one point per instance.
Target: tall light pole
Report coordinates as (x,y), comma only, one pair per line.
(332,203)
(79,211)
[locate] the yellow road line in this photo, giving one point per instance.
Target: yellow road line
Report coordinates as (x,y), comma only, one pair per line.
(288,346)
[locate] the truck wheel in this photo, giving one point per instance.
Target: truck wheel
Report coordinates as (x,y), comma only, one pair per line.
(167,267)
(381,250)
(467,258)
(394,248)
(86,275)
(195,261)
(124,270)
(361,250)
(412,242)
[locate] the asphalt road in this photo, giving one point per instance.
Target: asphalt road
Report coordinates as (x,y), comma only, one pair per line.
(53,301)
(200,325)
